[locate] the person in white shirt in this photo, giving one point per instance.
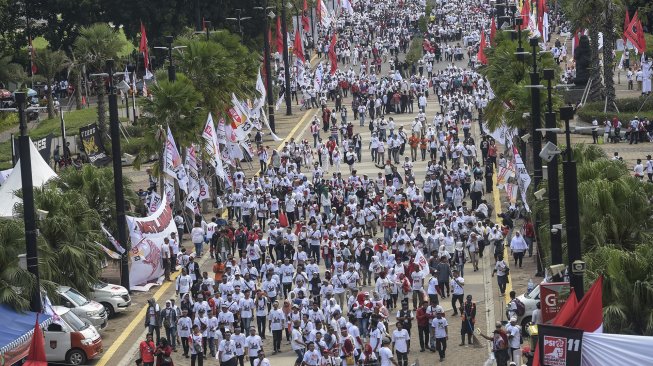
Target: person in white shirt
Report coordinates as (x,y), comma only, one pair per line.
(401,344)
(457,290)
(297,343)
(239,340)
(440,333)
(276,322)
(312,356)
(227,350)
(165,255)
(385,355)
(514,336)
(253,345)
(518,246)
(184,325)
(183,284)
(261,360)
(638,169)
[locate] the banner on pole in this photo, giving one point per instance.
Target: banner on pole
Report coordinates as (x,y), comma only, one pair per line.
(92,145)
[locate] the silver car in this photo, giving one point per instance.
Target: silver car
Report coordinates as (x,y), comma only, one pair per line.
(88,310)
(114,298)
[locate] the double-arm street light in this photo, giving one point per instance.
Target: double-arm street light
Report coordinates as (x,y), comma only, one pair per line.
(239,19)
(172,75)
(266,61)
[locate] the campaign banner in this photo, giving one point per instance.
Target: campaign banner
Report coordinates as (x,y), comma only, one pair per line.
(422,262)
(147,234)
(559,346)
(43,145)
(552,296)
(92,145)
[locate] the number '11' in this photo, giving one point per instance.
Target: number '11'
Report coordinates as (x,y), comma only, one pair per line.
(573,345)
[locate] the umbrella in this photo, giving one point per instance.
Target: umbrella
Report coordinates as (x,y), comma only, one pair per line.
(30,92)
(36,356)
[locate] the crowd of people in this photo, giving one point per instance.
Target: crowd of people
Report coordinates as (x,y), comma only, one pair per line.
(329,259)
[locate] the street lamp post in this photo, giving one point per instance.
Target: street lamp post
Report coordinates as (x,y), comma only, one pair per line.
(286,63)
(239,19)
(207,28)
(131,70)
(172,74)
(552,177)
(266,58)
(114,126)
(571,207)
(29,213)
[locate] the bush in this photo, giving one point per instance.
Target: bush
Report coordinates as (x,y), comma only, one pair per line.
(628,109)
(415,51)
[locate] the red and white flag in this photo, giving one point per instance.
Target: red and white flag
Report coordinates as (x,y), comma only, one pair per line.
(305,21)
(635,33)
(332,54)
(589,312)
(143,48)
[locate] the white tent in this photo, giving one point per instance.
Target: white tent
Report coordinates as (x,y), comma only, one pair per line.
(615,349)
(41,173)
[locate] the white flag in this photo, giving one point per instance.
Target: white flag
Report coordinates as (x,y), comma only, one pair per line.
(169,189)
(152,202)
(204,190)
(220,132)
(259,103)
(523,179)
(422,263)
(346,6)
(127,79)
(213,147)
(193,181)
(173,165)
(326,16)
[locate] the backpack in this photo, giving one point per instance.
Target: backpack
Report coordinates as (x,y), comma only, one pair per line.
(521,308)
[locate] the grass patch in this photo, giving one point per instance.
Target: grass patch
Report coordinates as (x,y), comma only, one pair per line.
(74,120)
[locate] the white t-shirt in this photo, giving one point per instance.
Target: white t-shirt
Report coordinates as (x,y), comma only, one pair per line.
(312,358)
(515,332)
(386,355)
(228,349)
(297,340)
(456,287)
(432,286)
(439,325)
(253,344)
(400,339)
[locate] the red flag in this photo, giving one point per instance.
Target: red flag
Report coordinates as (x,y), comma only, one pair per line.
(626,22)
(143,47)
(566,312)
(332,54)
(297,48)
(481,50)
(525,14)
(493,31)
(36,356)
(279,36)
(635,33)
(589,312)
(305,21)
(32,55)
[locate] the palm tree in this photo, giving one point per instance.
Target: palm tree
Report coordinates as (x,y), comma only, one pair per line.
(217,68)
(96,186)
(174,104)
(96,44)
(50,63)
(10,72)
(627,287)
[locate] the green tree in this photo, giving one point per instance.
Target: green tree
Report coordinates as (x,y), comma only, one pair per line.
(218,68)
(96,44)
(627,287)
(50,63)
(508,77)
(174,104)
(10,72)
(96,186)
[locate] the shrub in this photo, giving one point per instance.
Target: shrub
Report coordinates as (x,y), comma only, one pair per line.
(628,109)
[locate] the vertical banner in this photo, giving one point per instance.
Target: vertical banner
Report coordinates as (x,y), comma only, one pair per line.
(193,181)
(152,202)
(552,296)
(169,189)
(147,234)
(523,179)
(43,145)
(559,346)
(92,145)
(172,164)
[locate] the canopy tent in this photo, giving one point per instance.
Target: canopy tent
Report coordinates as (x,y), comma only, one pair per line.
(41,174)
(616,349)
(16,332)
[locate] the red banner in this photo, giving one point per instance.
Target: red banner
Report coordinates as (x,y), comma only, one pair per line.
(552,297)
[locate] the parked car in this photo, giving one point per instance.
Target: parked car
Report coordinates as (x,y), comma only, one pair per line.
(71,339)
(114,298)
(88,310)
(530,301)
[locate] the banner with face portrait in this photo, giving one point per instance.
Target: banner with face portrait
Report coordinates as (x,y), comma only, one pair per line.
(147,234)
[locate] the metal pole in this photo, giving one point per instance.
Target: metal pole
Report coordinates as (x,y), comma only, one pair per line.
(207,25)
(14,158)
(537,139)
(121,223)
(571,207)
(552,179)
(172,76)
(268,69)
(286,63)
(29,213)
(63,134)
(198,17)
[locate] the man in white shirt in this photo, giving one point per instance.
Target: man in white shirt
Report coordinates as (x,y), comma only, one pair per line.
(440,333)
(165,254)
(227,350)
(385,355)
(401,344)
(514,336)
(297,343)
(253,345)
(518,246)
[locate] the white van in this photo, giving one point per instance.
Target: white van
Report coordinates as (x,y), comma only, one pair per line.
(114,298)
(88,310)
(71,340)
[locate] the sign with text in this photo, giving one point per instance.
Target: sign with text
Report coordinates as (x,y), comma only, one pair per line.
(560,346)
(552,297)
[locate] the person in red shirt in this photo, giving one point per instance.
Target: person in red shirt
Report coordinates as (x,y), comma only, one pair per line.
(423,329)
(389,225)
(529,235)
(147,349)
